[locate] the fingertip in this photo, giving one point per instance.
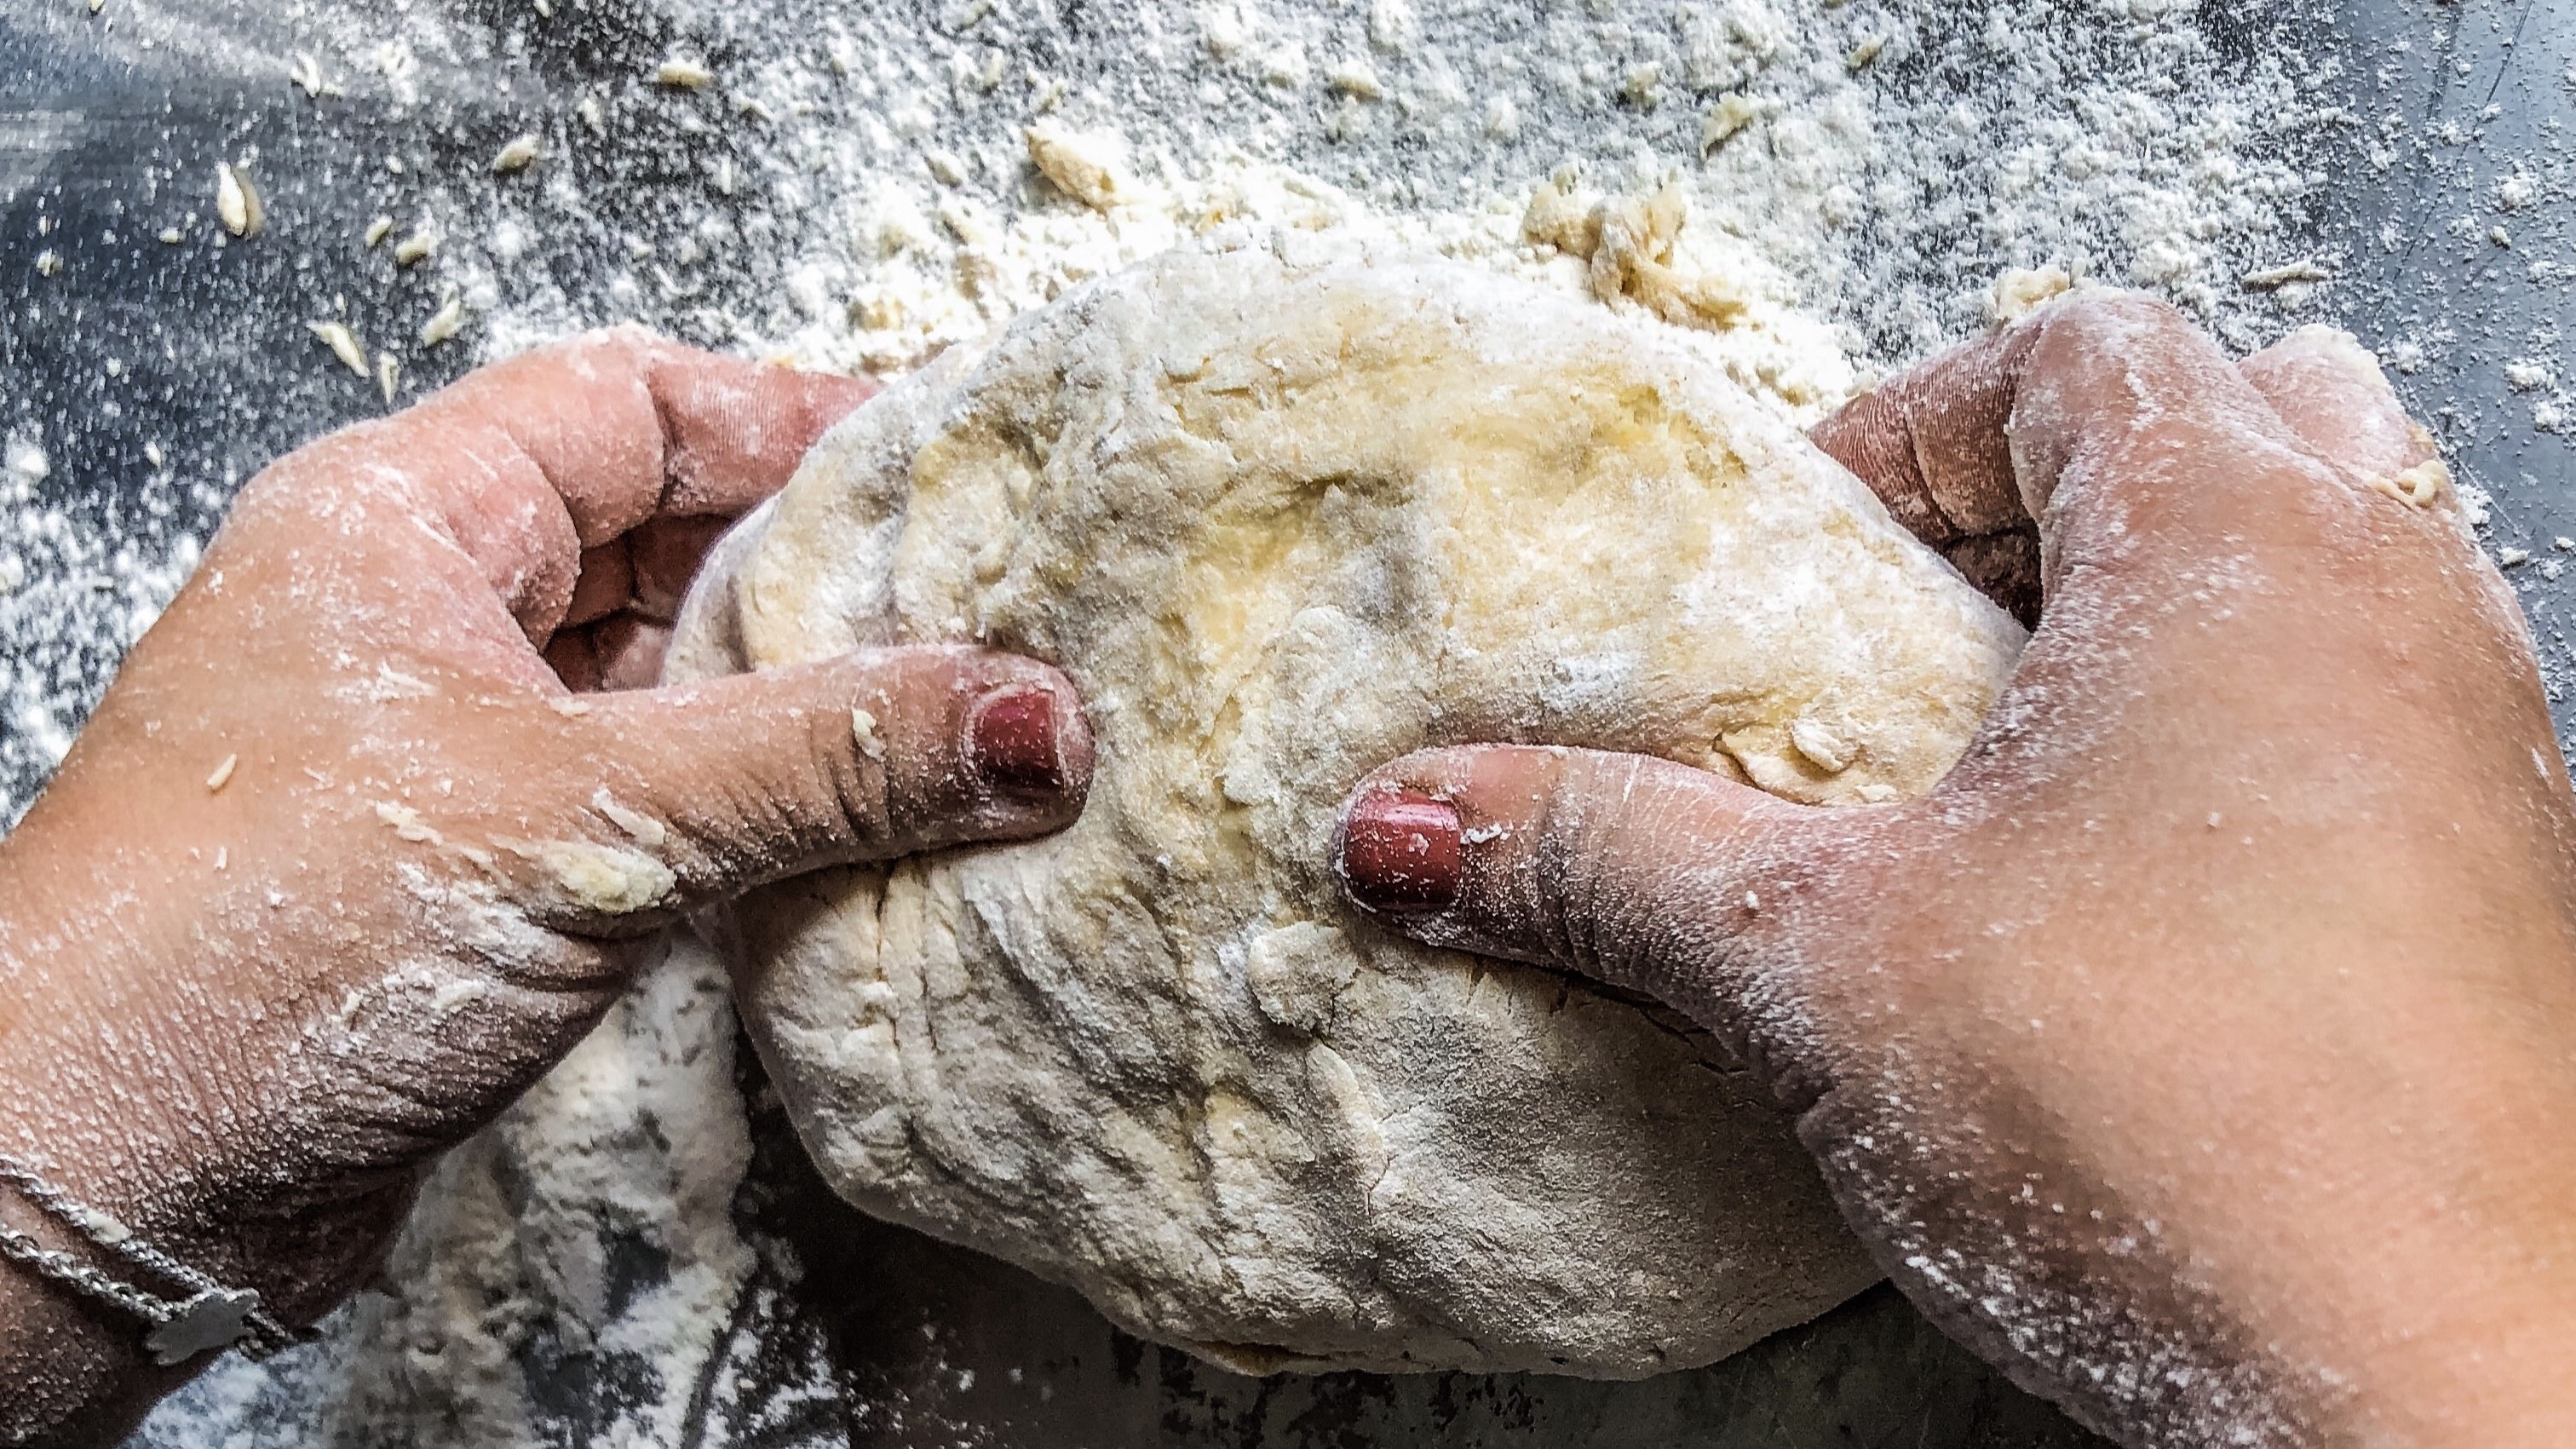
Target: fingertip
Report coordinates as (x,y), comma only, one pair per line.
(975,745)
(1399,851)
(1425,840)
(574,661)
(860,757)
(2329,391)
(1621,867)
(1027,739)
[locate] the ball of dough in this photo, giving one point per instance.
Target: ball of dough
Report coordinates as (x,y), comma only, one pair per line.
(1281,523)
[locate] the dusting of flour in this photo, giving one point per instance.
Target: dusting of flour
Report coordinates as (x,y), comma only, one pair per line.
(1815,190)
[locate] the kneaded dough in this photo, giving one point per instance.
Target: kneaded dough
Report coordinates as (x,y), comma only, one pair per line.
(1281,523)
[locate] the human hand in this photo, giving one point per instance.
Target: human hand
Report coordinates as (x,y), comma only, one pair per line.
(2203,1049)
(340,865)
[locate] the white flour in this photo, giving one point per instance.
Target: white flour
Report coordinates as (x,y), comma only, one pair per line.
(852,190)
(855,191)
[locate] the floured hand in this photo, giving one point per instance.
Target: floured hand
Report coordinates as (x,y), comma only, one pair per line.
(341,864)
(2200,1049)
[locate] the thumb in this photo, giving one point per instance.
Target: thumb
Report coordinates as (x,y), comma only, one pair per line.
(1648,875)
(710,789)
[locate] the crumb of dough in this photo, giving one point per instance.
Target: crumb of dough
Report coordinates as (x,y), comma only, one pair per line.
(406,822)
(863,728)
(1090,167)
(2021,291)
(606,880)
(1733,112)
(1630,243)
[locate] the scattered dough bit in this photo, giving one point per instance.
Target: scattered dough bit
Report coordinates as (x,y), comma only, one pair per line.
(388,375)
(307,73)
(443,323)
(1733,112)
(1635,260)
(1631,244)
(648,832)
(679,73)
(378,230)
(1561,216)
(2020,292)
(605,880)
(2304,270)
(223,774)
(2418,485)
(1087,166)
(237,201)
(863,728)
(343,343)
(517,155)
(568,706)
(1823,748)
(1356,78)
(415,247)
(406,822)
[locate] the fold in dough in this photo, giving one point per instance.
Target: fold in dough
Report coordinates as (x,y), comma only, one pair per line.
(1281,523)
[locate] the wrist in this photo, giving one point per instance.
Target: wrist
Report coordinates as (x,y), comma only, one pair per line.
(113,1087)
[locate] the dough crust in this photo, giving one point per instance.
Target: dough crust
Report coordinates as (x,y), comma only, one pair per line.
(1280,523)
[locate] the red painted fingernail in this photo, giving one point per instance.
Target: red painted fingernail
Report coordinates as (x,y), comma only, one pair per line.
(1401,852)
(1011,741)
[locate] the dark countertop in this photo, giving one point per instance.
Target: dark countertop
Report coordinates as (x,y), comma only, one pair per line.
(215,371)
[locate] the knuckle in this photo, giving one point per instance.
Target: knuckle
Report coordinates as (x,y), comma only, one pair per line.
(2124,315)
(1586,890)
(855,766)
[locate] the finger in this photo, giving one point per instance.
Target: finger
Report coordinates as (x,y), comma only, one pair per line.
(2178,454)
(629,649)
(1931,441)
(667,554)
(626,426)
(606,584)
(2328,391)
(570,655)
(673,798)
(646,572)
(1933,444)
(525,464)
(1649,875)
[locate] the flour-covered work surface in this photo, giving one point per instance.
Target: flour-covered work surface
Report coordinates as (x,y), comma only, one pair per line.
(643,1253)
